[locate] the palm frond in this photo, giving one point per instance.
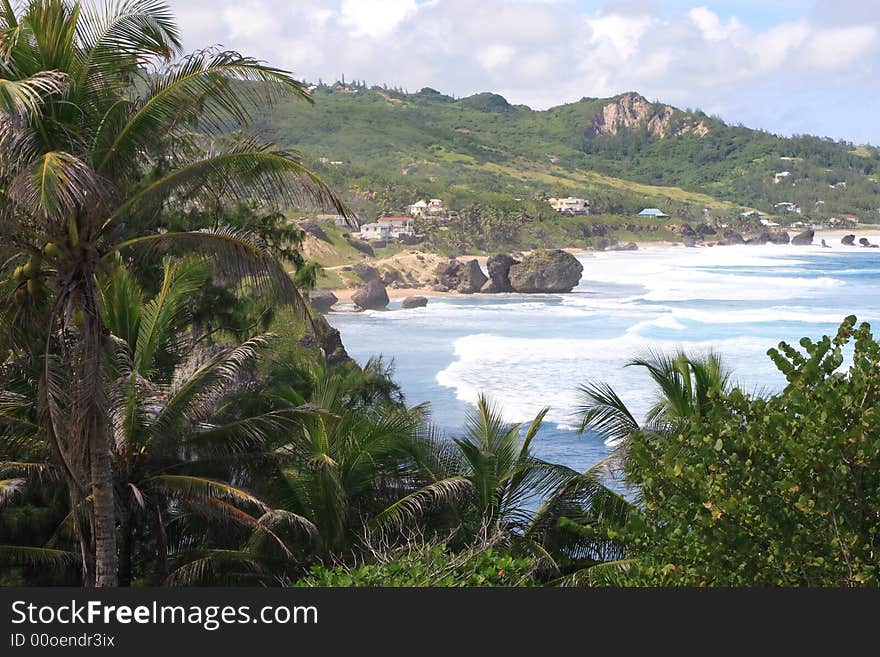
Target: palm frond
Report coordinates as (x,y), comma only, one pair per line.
(241,256)
(203,85)
(9,488)
(410,508)
(57,183)
(26,97)
(181,279)
(603,411)
(19,555)
(250,170)
(609,573)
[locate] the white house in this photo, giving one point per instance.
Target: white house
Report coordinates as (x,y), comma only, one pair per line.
(421,209)
(782,175)
(570,205)
(786,207)
(418,209)
(388,227)
(768,224)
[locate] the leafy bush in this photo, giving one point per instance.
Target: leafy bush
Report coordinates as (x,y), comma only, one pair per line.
(431,566)
(767,492)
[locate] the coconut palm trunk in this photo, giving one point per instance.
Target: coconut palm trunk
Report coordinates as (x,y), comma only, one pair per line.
(91,424)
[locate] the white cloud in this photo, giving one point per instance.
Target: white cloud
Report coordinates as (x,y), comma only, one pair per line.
(546,52)
(495,55)
(375,18)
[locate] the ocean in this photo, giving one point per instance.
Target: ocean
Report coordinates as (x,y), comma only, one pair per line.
(531,351)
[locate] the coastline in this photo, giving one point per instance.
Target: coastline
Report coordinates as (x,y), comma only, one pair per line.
(344,294)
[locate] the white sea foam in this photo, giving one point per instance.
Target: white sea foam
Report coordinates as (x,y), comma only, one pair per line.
(532,351)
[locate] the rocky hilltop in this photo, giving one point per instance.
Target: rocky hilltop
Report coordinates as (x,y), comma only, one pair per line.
(632,111)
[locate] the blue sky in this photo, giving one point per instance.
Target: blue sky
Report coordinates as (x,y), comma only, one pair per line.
(784,66)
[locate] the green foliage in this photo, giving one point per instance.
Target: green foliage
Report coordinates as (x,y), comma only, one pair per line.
(396,148)
(768,492)
(432,566)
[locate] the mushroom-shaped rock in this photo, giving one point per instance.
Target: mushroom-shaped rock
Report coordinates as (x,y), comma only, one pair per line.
(546,271)
(848,240)
(372,296)
(322,300)
(499,273)
(805,238)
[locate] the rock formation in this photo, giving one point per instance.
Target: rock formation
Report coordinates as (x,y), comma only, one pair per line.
(729,237)
(322,300)
(546,271)
(465,277)
(414,302)
(805,238)
(499,274)
(366,273)
(372,296)
(848,240)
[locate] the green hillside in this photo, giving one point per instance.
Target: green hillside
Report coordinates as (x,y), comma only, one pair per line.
(386,149)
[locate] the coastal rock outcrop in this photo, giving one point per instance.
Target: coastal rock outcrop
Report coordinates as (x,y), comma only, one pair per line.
(629,246)
(322,300)
(373,296)
(805,238)
(546,271)
(464,277)
(867,245)
(414,302)
(499,274)
(327,338)
(848,240)
(706,229)
(730,237)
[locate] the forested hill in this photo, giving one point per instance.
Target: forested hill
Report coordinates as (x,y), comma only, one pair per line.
(388,148)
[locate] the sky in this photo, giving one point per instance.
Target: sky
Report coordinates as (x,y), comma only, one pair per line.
(808,67)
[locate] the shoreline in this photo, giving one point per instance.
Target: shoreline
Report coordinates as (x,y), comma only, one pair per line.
(396,294)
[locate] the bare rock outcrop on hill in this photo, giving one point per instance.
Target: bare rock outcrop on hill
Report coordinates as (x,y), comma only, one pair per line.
(633,111)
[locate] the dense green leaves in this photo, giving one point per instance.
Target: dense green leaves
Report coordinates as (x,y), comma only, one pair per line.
(777,491)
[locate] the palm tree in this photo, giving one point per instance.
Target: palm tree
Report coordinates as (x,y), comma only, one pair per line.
(511,495)
(179,442)
(686,387)
(96,138)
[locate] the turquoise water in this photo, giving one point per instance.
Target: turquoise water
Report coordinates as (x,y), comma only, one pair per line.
(531,351)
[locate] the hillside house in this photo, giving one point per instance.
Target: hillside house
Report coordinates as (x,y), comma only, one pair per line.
(418,209)
(422,209)
(787,208)
(768,224)
(388,228)
(782,175)
(653,212)
(570,205)
(752,214)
